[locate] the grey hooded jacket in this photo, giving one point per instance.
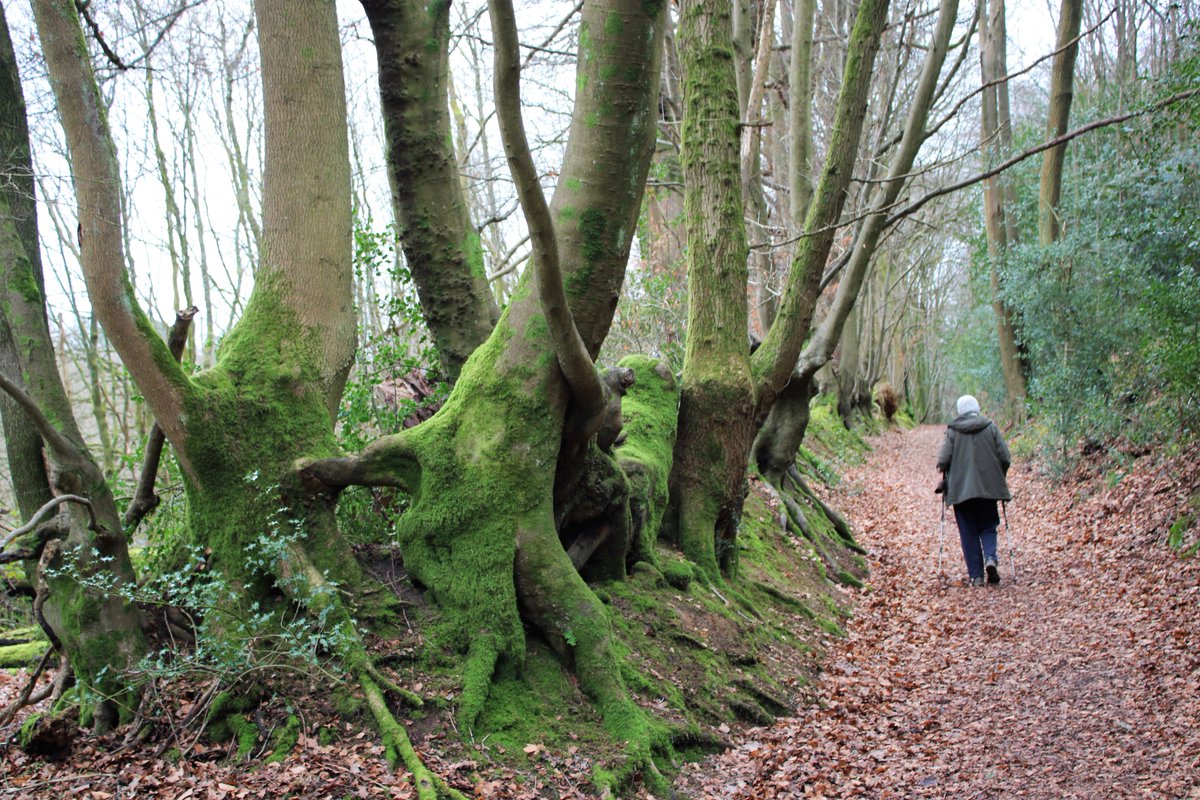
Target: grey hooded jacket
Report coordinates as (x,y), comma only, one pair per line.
(975,460)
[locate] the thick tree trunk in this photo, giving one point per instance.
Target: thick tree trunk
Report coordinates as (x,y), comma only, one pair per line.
(480,531)
(717,402)
(441,246)
(237,429)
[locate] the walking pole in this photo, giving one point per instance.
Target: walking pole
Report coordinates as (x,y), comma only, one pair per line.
(1008,536)
(941,541)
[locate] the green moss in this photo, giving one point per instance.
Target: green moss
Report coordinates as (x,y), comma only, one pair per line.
(245,733)
(473,250)
(285,737)
(22,280)
(649,411)
(539,704)
(828,437)
(679,573)
(347,703)
(28,729)
(537,327)
(830,627)
(850,580)
(20,656)
(251,417)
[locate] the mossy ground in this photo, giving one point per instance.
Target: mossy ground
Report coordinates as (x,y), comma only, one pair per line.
(699,657)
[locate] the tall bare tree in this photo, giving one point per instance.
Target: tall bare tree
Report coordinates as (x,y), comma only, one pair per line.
(1062,79)
(996,137)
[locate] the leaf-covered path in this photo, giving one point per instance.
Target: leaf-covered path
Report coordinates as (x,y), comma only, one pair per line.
(1080,679)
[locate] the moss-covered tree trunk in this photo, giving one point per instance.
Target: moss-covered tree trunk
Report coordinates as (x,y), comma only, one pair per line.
(271,398)
(722,403)
(716,410)
(79,558)
(441,246)
(273,395)
(480,531)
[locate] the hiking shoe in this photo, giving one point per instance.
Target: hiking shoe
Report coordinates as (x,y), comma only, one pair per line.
(993,570)
(977,581)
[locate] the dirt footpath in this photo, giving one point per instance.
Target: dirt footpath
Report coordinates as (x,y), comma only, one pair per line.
(1079,679)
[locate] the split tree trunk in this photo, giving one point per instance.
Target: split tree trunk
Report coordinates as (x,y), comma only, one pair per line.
(726,391)
(480,530)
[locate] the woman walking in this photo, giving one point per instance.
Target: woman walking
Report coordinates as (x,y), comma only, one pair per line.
(974,461)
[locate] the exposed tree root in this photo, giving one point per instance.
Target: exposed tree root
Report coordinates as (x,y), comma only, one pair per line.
(397,745)
(791,491)
(837,520)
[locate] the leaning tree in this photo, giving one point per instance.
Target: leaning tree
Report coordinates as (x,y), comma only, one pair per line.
(73,542)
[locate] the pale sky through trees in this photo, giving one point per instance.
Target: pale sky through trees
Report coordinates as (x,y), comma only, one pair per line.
(1031,32)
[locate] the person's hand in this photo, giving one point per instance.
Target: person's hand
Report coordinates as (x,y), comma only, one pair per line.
(941,487)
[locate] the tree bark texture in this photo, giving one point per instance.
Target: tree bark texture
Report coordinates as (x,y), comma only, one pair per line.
(717,403)
(441,245)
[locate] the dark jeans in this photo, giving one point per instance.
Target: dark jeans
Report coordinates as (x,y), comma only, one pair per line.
(977,523)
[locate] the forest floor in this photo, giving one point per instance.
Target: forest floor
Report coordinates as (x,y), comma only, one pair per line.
(1078,679)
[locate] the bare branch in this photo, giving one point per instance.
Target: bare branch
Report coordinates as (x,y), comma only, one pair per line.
(145,499)
(1033,151)
(1006,78)
(84,9)
(45,510)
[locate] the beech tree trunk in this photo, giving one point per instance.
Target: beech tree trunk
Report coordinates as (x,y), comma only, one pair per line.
(237,429)
(727,392)
(441,246)
(717,403)
(480,530)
